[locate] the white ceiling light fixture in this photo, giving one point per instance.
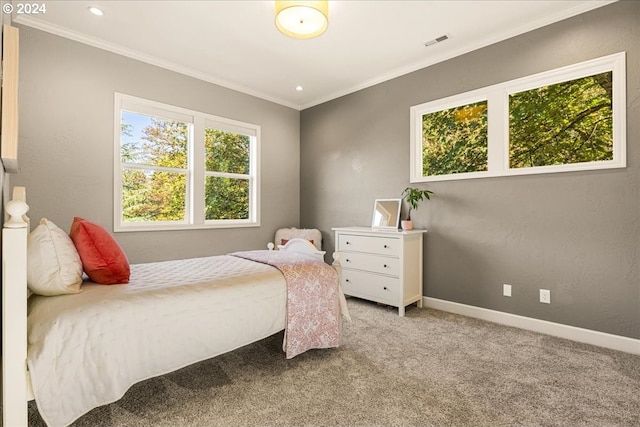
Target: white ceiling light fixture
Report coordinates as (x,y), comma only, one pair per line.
(302,19)
(94,10)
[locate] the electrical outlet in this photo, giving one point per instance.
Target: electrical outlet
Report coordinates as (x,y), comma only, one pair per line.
(545,296)
(506,290)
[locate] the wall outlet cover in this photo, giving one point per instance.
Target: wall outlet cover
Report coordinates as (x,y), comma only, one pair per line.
(545,296)
(506,290)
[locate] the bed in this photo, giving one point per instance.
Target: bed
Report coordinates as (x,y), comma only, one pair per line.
(86,349)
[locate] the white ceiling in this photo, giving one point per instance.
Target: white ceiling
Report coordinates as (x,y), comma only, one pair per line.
(235,43)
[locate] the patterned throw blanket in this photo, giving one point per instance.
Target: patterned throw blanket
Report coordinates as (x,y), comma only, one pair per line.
(313,309)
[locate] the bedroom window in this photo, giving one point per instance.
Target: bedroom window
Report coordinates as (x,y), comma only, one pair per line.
(227,177)
(454,140)
(177,168)
(568,119)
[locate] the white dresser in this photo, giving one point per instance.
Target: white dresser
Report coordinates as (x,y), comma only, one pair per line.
(381,265)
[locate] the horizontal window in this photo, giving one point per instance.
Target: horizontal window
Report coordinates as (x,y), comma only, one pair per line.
(568,119)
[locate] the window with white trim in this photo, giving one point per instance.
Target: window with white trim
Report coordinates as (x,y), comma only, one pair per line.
(568,119)
(176,168)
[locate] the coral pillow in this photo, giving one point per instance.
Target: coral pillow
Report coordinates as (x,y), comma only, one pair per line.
(53,264)
(103,259)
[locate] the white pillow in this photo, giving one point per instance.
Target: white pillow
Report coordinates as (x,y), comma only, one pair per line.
(53,263)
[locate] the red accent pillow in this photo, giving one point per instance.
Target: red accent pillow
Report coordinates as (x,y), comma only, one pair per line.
(284,241)
(103,259)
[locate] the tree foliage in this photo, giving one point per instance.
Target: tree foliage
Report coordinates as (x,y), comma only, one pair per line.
(569,122)
(455,140)
(155,195)
(563,123)
(226,198)
(158,193)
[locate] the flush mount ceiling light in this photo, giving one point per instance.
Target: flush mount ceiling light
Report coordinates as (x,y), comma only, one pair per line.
(302,19)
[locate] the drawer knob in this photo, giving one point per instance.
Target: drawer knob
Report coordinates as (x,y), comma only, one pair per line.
(347,260)
(385,266)
(348,281)
(385,288)
(385,246)
(348,243)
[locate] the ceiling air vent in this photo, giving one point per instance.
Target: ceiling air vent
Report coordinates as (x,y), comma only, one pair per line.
(436,40)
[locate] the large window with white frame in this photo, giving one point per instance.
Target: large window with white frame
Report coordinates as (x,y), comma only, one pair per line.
(177,169)
(568,119)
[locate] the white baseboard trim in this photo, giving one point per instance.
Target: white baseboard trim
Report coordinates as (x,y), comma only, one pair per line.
(587,336)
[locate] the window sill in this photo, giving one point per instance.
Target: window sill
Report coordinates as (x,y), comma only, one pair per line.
(183,227)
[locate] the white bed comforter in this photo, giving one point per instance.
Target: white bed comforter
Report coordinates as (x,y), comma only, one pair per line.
(170,315)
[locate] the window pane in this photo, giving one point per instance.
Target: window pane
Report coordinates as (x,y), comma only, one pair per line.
(153,196)
(227,151)
(569,122)
(226,198)
(153,141)
(455,140)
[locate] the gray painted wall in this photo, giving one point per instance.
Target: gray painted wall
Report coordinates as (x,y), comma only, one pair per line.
(66,143)
(577,234)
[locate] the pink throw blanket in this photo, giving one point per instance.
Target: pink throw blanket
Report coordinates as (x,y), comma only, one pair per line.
(313,309)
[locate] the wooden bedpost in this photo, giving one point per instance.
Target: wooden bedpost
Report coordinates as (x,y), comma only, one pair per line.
(14,312)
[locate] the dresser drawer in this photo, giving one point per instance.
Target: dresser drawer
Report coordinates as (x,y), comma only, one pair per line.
(372,263)
(371,286)
(370,244)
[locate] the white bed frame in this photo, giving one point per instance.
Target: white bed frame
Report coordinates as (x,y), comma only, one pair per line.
(16,384)
(15,380)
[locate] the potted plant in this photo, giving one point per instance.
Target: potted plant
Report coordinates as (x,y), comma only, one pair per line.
(413,196)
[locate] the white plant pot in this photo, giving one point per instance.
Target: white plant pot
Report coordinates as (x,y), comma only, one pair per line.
(406,225)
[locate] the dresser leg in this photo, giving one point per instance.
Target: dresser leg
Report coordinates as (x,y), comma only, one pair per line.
(420,303)
(401,311)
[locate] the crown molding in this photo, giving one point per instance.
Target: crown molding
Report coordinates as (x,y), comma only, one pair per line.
(152,60)
(530,26)
(149,59)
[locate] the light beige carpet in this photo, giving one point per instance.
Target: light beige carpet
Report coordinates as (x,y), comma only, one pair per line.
(429,368)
